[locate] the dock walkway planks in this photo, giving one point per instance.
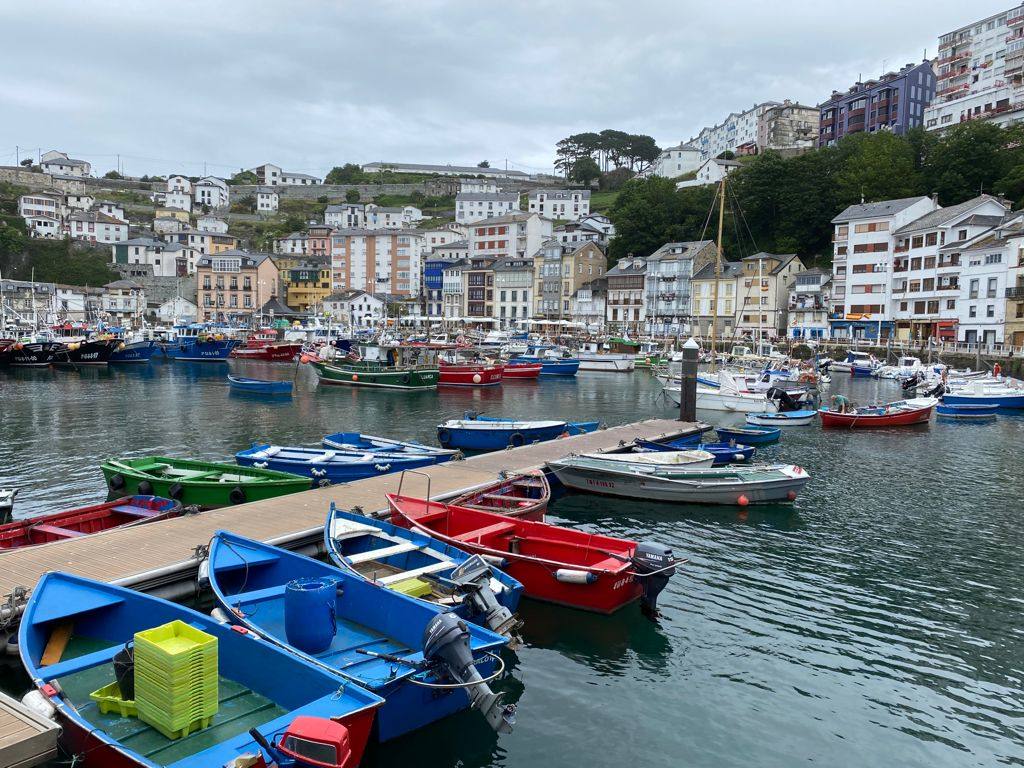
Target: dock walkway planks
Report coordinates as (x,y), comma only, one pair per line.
(26,739)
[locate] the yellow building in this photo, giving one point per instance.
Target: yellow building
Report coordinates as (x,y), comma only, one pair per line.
(172,213)
(306,287)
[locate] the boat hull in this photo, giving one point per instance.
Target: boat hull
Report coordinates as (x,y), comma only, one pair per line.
(470,375)
(782,419)
(274,353)
(357,376)
(259,386)
(135,352)
(833,419)
(34,355)
(608,363)
(496,438)
(1003,402)
(743,436)
(336,472)
(206,351)
(86,353)
(524,496)
(724,453)
(74,523)
(524,371)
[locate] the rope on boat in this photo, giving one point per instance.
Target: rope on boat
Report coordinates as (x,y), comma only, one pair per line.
(451,686)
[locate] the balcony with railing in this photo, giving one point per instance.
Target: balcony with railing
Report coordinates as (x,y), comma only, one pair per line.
(953,89)
(956,56)
(1015,18)
(1015,292)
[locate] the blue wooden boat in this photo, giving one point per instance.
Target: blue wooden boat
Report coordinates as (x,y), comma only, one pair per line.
(553,366)
(967,412)
(423,567)
(986,393)
(475,432)
(262,689)
(199,342)
(377,638)
(356,441)
(724,453)
(259,386)
(134,352)
(327,467)
(862,371)
(749,434)
(782,418)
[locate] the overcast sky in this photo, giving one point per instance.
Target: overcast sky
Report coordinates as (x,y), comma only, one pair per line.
(309,85)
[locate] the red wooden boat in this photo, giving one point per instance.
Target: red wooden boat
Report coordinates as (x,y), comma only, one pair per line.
(514,370)
(558,565)
(899,414)
(265,346)
(525,496)
(470,374)
(130,510)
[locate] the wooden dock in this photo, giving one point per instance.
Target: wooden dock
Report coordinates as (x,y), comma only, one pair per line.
(26,739)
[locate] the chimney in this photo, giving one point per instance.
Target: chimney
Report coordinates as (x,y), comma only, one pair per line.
(935,199)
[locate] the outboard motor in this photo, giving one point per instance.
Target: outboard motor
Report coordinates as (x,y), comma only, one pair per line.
(911,382)
(446,641)
(937,391)
(786,401)
(654,566)
(472,580)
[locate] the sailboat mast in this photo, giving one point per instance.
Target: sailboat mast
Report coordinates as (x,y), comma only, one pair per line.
(718,273)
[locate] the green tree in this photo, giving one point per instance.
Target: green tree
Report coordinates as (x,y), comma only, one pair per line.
(351,195)
(483,164)
(875,166)
(244,177)
(584,170)
(1012,185)
(727,155)
(112,175)
(349,173)
(968,160)
(614,180)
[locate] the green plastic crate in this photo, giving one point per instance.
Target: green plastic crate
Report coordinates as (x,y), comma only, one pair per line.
(108,699)
(180,731)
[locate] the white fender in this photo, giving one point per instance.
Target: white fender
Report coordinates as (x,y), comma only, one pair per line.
(570,576)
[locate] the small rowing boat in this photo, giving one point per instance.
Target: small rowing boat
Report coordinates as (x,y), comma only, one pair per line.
(970,412)
(487,433)
(723,453)
(726,485)
(692,458)
(423,567)
(72,641)
(329,467)
(74,523)
(902,413)
(356,441)
(524,495)
(202,483)
(377,638)
(782,418)
(259,386)
(554,564)
(751,434)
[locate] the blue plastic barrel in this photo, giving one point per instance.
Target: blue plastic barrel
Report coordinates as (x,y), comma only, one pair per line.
(309,620)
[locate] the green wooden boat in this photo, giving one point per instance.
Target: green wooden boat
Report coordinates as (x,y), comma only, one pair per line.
(203,483)
(367,373)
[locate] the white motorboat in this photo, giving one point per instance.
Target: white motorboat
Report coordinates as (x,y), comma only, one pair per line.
(691,459)
(728,396)
(593,358)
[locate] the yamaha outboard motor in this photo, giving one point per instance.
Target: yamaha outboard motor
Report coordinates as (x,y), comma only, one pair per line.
(446,641)
(654,566)
(937,391)
(472,580)
(911,383)
(786,401)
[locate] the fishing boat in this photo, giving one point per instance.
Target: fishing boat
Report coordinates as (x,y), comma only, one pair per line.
(36,351)
(782,418)
(259,386)
(862,360)
(7,496)
(553,364)
(381,367)
(356,441)
(198,342)
(517,369)
(593,358)
(200,483)
(557,565)
(72,642)
(688,457)
(329,466)
(87,352)
(723,453)
(650,356)
(399,648)
(750,434)
(134,351)
(74,523)
(265,346)
(972,412)
(524,495)
(725,485)
(486,433)
(470,374)
(1000,393)
(898,414)
(423,567)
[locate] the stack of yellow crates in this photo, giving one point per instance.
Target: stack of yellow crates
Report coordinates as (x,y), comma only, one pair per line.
(176,678)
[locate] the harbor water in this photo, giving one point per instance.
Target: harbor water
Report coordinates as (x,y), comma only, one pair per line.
(877,621)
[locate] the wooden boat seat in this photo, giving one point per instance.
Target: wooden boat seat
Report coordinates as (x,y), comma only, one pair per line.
(255,595)
(80,663)
(53,530)
(126,509)
(497,529)
(431,568)
(430,517)
(503,497)
(378,554)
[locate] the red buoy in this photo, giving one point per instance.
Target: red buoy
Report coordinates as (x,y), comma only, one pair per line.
(791,495)
(743,501)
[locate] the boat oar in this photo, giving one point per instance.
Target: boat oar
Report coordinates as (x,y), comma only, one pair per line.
(389,657)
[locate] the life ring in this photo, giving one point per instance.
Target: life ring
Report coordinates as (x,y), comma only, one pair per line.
(145,488)
(237,495)
(406,378)
(116,482)
(444,435)
(516,439)
(176,491)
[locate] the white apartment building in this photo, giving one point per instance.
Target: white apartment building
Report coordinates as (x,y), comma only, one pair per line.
(442,236)
(59,164)
(702,300)
(272,175)
(180,201)
(981,302)
(710,172)
(452,288)
(978,66)
(625,308)
(212,192)
(293,244)
(97,227)
(453,251)
(477,185)
(41,204)
(386,261)
(178,183)
(589,304)
(667,283)
(46,227)
(211,224)
(513,283)
(809,303)
(79,201)
(345,216)
(565,204)
(515,234)
(293,179)
(267,200)
(926,266)
(471,207)
(360,309)
(124,303)
(115,210)
(377,217)
(762,293)
(862,263)
(675,161)
(737,133)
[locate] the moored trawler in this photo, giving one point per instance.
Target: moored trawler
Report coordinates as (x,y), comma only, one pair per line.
(593,357)
(198,342)
(372,365)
